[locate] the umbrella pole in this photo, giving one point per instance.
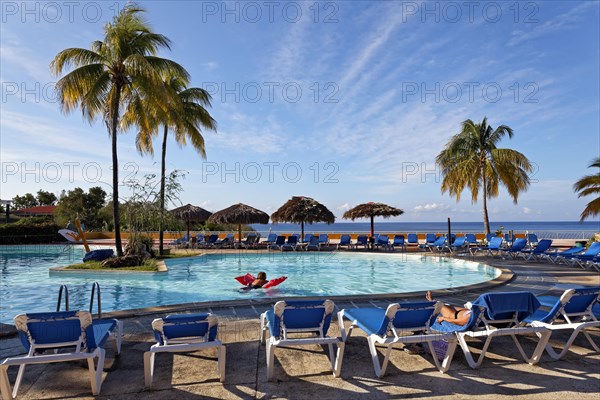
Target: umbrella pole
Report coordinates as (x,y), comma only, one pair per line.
(449,233)
(372,227)
(188,226)
(240,234)
(302,231)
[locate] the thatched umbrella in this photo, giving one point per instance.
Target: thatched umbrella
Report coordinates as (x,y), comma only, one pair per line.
(190,213)
(239,214)
(301,209)
(370,210)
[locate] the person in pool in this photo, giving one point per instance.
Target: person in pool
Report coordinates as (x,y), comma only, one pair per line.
(452,314)
(260,281)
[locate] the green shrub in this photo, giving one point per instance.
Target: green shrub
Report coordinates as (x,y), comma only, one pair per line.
(21,233)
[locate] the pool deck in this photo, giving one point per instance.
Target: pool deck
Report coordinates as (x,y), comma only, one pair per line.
(303,373)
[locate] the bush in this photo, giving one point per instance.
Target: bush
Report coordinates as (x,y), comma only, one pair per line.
(33,233)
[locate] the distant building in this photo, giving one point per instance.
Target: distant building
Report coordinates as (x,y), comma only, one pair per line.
(38,211)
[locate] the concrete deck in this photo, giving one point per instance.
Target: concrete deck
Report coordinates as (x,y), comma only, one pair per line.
(303,373)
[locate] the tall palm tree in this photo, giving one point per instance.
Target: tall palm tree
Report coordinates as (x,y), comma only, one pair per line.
(112,76)
(184,112)
(589,185)
(472,160)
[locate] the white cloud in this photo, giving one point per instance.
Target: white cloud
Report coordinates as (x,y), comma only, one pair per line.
(343,207)
(431,207)
(527,210)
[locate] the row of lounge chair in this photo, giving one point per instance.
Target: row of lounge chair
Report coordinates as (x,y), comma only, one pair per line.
(492,315)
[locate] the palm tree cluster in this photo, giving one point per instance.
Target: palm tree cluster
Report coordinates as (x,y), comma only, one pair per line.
(121,80)
(589,185)
(471,159)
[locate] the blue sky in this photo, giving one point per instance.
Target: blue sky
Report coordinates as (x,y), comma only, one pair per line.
(346,102)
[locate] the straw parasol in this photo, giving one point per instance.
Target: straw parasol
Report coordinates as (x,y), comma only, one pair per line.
(300,209)
(371,210)
(239,214)
(190,213)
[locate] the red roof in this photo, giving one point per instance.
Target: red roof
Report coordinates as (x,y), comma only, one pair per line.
(39,210)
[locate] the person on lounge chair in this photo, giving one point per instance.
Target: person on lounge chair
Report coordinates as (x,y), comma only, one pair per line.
(260,281)
(452,314)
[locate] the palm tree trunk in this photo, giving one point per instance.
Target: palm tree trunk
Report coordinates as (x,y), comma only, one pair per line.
(162,190)
(486,219)
(115,167)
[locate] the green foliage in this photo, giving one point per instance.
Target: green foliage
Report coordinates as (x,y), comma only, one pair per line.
(21,233)
(34,220)
(26,201)
(147,266)
(45,198)
(87,206)
(590,185)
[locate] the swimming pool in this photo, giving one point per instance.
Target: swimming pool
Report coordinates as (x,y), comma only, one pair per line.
(26,284)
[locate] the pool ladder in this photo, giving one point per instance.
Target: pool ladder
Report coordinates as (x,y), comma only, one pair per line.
(95,291)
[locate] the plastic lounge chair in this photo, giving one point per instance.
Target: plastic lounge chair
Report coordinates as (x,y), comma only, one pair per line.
(398,242)
(459,243)
(226,241)
(517,246)
(292,242)
(471,239)
(399,323)
(438,244)
(184,333)
(557,256)
(278,244)
(300,317)
(323,240)
(412,239)
(509,239)
(532,240)
(345,241)
(383,241)
(212,239)
(249,242)
(538,252)
(270,239)
(498,314)
(430,239)
(494,246)
(583,258)
(313,244)
(362,240)
(490,236)
(575,307)
(73,331)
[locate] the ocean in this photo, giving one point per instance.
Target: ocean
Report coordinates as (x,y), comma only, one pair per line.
(557,229)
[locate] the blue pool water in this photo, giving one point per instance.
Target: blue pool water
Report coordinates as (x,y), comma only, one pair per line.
(26,284)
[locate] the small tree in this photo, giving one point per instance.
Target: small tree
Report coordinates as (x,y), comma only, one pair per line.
(77,203)
(45,198)
(26,201)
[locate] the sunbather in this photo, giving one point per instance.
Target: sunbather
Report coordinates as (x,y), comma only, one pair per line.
(452,314)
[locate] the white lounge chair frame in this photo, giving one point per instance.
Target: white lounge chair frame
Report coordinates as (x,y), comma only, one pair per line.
(183,345)
(80,353)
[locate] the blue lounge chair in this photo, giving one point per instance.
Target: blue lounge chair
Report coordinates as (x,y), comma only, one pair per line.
(307,317)
(313,244)
(383,241)
(72,331)
(278,244)
(412,239)
(509,239)
(227,241)
(489,237)
(471,238)
(575,307)
(558,256)
(583,258)
(430,239)
(538,252)
(250,241)
(517,246)
(494,245)
(532,240)
(345,241)
(307,238)
(438,244)
(292,242)
(460,243)
(399,323)
(323,240)
(362,240)
(184,333)
(398,242)
(212,239)
(497,314)
(270,239)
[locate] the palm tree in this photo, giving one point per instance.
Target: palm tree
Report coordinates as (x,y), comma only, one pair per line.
(590,184)
(183,111)
(472,160)
(112,77)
